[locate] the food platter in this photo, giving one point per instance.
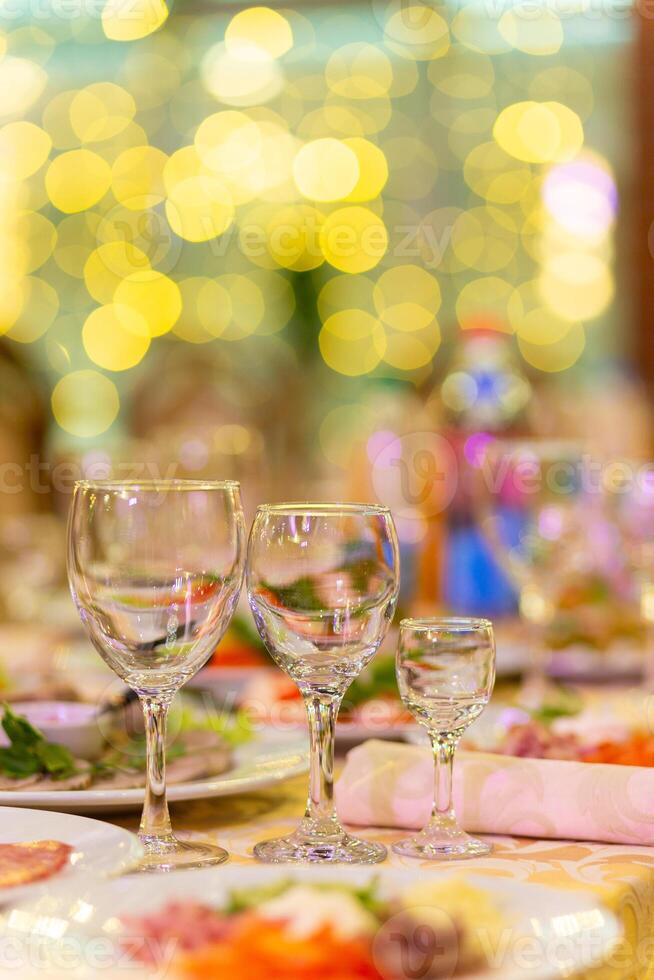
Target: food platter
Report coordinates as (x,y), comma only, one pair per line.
(270,757)
(565,932)
(98,848)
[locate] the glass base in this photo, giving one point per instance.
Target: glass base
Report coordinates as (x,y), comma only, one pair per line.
(169,854)
(302,848)
(450,844)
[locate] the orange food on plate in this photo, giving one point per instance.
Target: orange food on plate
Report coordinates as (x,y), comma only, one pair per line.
(236,655)
(635,751)
(259,950)
(28,861)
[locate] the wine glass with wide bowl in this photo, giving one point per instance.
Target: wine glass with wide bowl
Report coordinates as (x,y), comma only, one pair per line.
(155,570)
(323,581)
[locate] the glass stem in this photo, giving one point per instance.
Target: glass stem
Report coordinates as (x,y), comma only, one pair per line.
(443,747)
(155,821)
(321,712)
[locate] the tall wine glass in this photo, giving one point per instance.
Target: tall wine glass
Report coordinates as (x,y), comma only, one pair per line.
(628,497)
(155,569)
(446,673)
(322,581)
(534,510)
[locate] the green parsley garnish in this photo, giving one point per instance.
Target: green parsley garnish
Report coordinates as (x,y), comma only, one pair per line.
(29,753)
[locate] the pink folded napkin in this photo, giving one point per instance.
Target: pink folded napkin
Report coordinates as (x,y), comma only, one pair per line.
(389,784)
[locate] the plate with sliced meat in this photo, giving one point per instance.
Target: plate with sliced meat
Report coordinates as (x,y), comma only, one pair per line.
(199,765)
(36,847)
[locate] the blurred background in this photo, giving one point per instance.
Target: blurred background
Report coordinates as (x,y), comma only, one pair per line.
(333,251)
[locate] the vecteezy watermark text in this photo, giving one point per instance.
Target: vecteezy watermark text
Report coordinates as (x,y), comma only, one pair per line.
(42,476)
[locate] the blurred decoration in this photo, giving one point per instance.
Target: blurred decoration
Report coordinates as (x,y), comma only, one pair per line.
(227,230)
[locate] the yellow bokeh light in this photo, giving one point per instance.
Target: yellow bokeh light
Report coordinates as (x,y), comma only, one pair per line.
(85,403)
(270,175)
(248,306)
(244,76)
(413,168)
(417,31)
(485,303)
(532,30)
(38,236)
(206,310)
(182,164)
(131,138)
(21,84)
(325,170)
(279,298)
(56,120)
(37,40)
(334,120)
(490,172)
(152,294)
(466,128)
(11,301)
(477,28)
(549,83)
(463,74)
(137,177)
(407,297)
(260,26)
(109,264)
(405,78)
(153,75)
(344,292)
(24,148)
(484,238)
(434,239)
(541,326)
(142,18)
(215,308)
(293,237)
(359,71)
(199,208)
(115,337)
(227,142)
(345,117)
(31,193)
(76,180)
(232,439)
(353,239)
(101,111)
(539,132)
(147,230)
(352,342)
(373,169)
(414,350)
(557,356)
(39,307)
(576,285)
(77,237)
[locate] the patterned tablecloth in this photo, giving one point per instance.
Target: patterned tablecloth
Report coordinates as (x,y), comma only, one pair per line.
(621,877)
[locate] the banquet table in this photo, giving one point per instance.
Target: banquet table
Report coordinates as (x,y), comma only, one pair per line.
(620,876)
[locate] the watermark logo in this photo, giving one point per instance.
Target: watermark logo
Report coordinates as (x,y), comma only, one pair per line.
(417,943)
(414,474)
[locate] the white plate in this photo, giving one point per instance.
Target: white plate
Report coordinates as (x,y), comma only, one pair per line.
(550,933)
(99,848)
(267,759)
